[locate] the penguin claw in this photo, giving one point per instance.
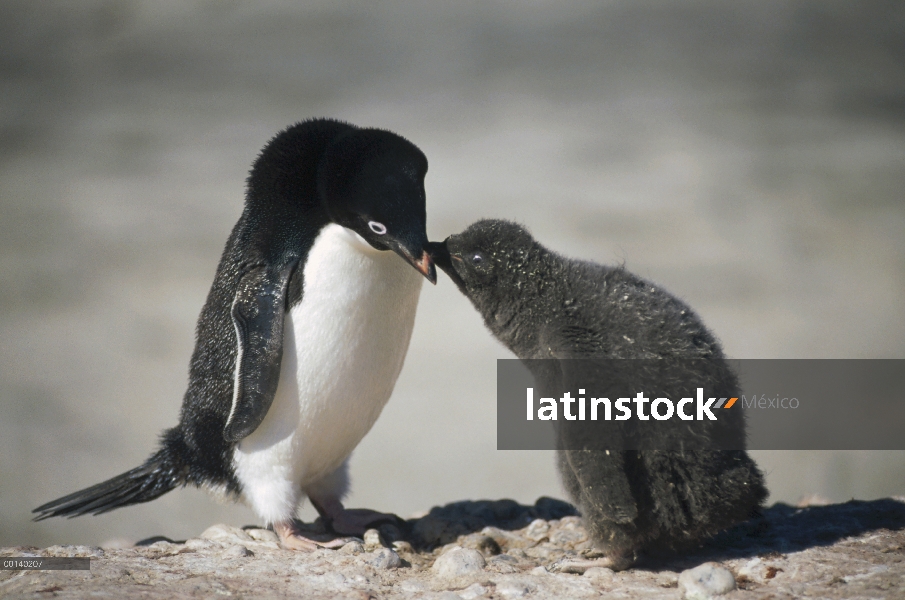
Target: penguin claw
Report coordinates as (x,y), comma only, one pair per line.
(293,537)
(619,562)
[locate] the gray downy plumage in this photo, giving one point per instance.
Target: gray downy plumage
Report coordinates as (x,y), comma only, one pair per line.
(545,306)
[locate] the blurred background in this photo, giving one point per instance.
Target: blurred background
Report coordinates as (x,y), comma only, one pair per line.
(749,156)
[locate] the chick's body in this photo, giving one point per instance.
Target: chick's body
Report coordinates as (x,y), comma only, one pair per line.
(636,494)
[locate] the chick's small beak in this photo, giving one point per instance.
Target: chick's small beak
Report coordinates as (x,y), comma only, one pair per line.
(440,254)
(439,251)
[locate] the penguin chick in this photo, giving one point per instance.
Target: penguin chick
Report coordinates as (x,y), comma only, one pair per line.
(303,334)
(541,306)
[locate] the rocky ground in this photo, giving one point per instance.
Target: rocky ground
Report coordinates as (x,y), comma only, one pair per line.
(498,549)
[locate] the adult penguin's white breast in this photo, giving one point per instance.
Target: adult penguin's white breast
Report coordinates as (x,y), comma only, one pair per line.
(343,348)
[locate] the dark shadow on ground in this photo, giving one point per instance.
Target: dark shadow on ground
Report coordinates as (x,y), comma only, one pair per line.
(444,524)
(781,529)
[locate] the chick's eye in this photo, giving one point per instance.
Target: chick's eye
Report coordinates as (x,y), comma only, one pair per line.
(477,259)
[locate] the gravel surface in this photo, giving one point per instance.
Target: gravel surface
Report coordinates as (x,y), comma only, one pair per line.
(498,549)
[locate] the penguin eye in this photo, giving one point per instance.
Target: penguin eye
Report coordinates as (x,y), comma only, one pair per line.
(477,259)
(378,228)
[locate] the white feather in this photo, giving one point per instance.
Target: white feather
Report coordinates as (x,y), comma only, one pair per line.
(237,370)
(343,348)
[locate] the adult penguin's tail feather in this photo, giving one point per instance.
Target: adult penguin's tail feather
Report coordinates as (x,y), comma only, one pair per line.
(162,472)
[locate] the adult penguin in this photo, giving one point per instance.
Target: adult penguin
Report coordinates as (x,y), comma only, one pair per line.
(303,334)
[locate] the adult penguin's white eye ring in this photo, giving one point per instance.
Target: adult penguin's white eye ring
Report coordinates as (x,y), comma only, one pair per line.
(378,228)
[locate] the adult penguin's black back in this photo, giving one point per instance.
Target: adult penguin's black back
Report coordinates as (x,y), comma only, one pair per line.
(318,188)
(545,306)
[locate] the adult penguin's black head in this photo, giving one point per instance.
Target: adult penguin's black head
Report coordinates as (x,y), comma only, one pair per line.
(372,182)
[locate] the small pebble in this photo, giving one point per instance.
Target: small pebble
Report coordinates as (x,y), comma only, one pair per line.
(706,581)
(506,539)
(504,558)
(225,533)
(567,536)
(457,562)
(413,585)
(196,544)
(475,590)
(570,522)
(386,559)
(537,530)
(513,589)
(668,579)
(543,552)
(152,540)
(332,578)
(263,535)
(237,551)
(160,547)
(504,564)
(403,547)
(484,544)
(599,574)
(353,547)
(372,539)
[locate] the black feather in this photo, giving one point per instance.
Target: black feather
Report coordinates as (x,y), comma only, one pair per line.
(162,472)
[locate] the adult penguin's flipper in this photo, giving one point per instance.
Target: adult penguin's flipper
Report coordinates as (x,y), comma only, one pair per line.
(258,312)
